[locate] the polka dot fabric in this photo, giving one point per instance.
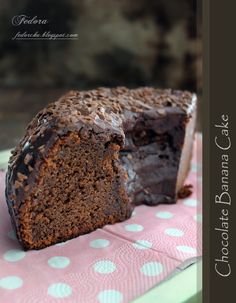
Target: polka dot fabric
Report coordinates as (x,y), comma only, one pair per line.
(115,264)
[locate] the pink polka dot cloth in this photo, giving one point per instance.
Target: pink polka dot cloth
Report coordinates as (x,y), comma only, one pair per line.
(111,265)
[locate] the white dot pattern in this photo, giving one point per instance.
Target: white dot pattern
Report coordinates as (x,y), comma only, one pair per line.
(104,267)
(11,282)
(152,269)
(190,202)
(59,290)
(99,243)
(174,232)
(198,218)
(14,255)
(58,262)
(110,296)
(134,227)
(142,244)
(186,249)
(164,215)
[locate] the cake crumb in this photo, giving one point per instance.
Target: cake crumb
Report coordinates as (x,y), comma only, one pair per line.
(185,191)
(17,184)
(28,158)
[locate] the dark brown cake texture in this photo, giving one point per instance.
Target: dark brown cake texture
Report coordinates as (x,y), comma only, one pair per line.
(88,158)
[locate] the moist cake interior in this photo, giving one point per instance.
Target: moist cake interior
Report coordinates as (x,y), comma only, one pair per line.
(79,190)
(151,157)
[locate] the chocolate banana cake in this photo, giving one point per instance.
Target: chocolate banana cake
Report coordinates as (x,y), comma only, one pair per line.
(88,158)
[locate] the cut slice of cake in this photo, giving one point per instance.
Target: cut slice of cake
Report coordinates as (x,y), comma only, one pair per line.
(88,158)
(159,130)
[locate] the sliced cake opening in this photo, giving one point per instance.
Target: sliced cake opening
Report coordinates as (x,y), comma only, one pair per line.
(151,157)
(79,188)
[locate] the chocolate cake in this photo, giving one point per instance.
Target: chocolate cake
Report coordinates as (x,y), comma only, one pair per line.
(88,158)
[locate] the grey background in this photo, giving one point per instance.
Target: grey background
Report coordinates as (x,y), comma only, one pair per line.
(126,42)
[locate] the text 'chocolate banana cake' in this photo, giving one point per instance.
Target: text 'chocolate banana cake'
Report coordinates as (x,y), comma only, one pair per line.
(88,158)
